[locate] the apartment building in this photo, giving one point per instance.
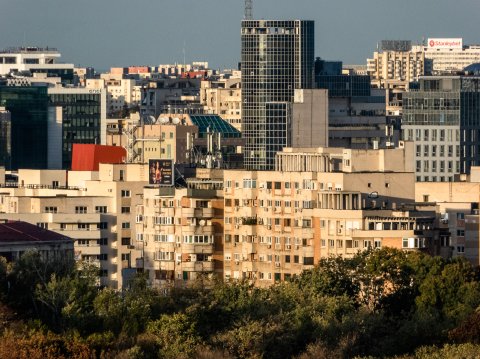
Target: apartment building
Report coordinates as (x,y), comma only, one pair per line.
(395,64)
(223,97)
(457,213)
(317,203)
(96,209)
(180,232)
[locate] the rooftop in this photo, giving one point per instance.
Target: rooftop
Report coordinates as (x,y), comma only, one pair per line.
(215,124)
(28,49)
(26,232)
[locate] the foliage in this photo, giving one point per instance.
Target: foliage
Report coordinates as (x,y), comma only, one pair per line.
(381,303)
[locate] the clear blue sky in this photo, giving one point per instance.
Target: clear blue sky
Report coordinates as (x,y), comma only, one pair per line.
(104,33)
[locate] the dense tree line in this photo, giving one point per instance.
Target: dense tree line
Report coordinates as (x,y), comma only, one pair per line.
(382,303)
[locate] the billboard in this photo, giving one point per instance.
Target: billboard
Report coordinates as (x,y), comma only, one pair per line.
(160,172)
(445,43)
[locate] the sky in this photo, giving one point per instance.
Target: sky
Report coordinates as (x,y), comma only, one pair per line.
(109,33)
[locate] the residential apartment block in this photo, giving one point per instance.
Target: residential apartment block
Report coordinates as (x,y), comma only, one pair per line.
(317,203)
(96,209)
(180,232)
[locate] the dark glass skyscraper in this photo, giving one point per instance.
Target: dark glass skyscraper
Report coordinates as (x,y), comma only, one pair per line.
(28,107)
(277,58)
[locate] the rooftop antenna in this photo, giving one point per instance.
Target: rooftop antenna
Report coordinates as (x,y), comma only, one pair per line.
(248,10)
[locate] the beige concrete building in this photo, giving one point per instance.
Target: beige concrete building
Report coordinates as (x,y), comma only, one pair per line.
(457,213)
(317,203)
(121,92)
(96,209)
(224,98)
(180,232)
(395,69)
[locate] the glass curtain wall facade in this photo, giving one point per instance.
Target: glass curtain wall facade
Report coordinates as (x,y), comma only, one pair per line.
(81,120)
(277,58)
(28,107)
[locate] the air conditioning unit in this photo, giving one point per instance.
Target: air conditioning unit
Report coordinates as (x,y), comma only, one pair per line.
(277,264)
(297,247)
(237,262)
(237,226)
(269,227)
(269,246)
(288,246)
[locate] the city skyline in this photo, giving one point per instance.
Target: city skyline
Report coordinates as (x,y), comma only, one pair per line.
(149,33)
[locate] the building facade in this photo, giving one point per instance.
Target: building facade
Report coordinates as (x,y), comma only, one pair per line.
(277,58)
(443,120)
(77,115)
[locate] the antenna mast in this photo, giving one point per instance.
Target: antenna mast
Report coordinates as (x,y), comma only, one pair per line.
(248,10)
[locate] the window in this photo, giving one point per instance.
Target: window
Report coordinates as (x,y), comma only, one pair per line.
(101,209)
(434,150)
(460,232)
(296,259)
(103,257)
(125,241)
(278,185)
(125,256)
(102,225)
(83,226)
(80,209)
(103,273)
(43,225)
(51,209)
(287,259)
(125,225)
(125,193)
(308,261)
(102,242)
(461,249)
(125,210)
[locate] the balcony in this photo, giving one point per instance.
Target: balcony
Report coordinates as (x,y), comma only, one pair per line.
(204,212)
(91,250)
(188,212)
(197,248)
(81,233)
(198,266)
(192,230)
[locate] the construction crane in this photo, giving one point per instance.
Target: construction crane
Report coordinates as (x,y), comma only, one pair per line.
(248,10)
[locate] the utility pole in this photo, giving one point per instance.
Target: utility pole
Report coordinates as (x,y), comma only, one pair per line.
(248,10)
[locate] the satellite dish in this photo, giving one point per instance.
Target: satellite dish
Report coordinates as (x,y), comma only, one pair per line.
(151,119)
(373,195)
(202,222)
(164,120)
(176,121)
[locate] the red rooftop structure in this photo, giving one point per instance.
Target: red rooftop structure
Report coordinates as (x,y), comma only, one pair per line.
(87,157)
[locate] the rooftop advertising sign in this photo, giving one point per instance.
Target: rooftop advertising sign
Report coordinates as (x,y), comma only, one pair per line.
(161,172)
(445,43)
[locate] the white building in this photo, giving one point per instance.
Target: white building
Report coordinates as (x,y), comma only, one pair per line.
(449,55)
(33,59)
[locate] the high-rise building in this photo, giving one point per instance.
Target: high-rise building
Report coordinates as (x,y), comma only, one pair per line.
(28,107)
(277,58)
(76,115)
(5,137)
(443,120)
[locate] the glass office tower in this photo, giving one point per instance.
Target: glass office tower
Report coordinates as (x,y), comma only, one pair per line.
(28,107)
(277,58)
(81,118)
